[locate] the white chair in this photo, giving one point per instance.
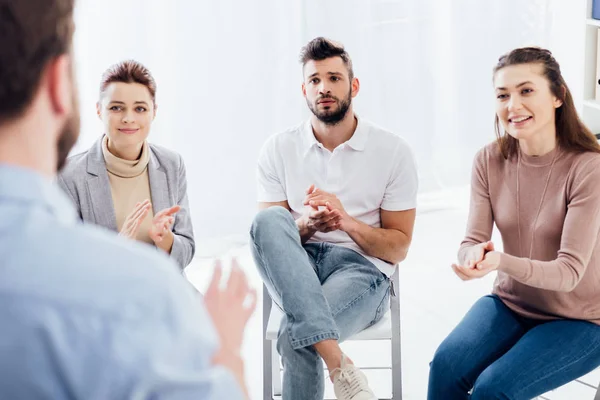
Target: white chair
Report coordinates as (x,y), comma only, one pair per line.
(388,328)
(584,381)
(597,396)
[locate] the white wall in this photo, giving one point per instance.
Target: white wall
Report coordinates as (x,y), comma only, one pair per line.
(228,77)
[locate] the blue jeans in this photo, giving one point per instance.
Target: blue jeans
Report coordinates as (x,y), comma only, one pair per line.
(501,355)
(325,291)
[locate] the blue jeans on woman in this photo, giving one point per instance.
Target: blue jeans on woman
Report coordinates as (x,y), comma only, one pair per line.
(500,355)
(325,291)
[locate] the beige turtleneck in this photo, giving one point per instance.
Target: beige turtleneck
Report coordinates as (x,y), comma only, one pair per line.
(129,184)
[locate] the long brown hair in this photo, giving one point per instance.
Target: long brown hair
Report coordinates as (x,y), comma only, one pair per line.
(571,133)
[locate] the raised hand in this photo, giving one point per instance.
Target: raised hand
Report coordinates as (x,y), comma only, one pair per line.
(230,309)
(161,224)
(133,221)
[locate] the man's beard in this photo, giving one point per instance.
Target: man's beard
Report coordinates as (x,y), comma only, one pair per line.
(330,117)
(69,134)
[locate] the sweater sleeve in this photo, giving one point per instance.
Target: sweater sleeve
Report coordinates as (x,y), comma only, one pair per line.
(481,219)
(578,240)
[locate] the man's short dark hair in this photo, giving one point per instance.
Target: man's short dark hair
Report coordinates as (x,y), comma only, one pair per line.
(322,48)
(32,33)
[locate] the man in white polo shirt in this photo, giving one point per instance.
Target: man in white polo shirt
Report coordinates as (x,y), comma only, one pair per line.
(337,197)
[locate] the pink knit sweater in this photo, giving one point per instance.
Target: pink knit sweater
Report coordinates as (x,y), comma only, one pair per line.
(558,274)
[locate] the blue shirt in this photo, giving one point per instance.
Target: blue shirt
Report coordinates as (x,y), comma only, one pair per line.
(85,314)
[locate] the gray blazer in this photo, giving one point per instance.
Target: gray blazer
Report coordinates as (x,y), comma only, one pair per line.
(85,180)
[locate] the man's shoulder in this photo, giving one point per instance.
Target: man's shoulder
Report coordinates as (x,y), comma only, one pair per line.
(289,135)
(377,132)
(284,142)
(80,264)
(80,285)
(385,138)
(116,254)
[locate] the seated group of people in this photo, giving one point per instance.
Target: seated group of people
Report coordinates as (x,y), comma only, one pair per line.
(91,315)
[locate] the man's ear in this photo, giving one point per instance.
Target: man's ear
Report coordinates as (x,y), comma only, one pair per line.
(59,84)
(355,86)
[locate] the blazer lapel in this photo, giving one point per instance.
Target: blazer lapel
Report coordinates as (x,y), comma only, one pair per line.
(99,188)
(159,187)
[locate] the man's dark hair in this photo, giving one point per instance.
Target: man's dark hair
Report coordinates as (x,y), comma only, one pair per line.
(322,48)
(32,33)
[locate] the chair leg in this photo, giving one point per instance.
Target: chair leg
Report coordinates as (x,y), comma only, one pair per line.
(597,397)
(267,349)
(276,370)
(396,340)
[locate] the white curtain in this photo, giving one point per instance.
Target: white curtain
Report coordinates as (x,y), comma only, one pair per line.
(228,77)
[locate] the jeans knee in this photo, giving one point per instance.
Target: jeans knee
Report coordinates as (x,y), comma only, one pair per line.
(302,356)
(269,220)
(447,377)
(442,367)
(284,346)
(488,386)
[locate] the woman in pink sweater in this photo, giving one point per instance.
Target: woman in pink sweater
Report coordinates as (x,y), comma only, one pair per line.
(540,184)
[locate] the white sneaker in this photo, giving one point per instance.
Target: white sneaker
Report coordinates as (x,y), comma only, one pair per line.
(350,383)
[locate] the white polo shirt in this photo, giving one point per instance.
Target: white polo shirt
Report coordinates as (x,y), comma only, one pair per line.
(373,170)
